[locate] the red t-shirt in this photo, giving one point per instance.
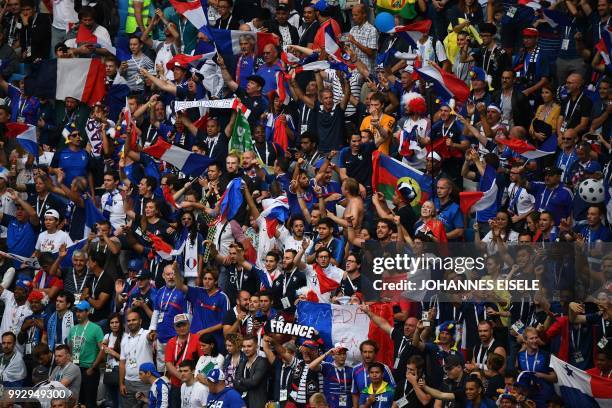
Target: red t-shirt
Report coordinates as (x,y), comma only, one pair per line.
(174,356)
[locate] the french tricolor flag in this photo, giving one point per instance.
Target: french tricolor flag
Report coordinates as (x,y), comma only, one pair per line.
(164,249)
(331,45)
(231,200)
(193,10)
(323,65)
(276,212)
(193,164)
(80,78)
(411,33)
(528,150)
(446,84)
(85,36)
(349,325)
(580,389)
(25,135)
(604,46)
(228,41)
(471,201)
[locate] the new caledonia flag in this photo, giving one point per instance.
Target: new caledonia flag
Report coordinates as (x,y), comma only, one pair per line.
(387,172)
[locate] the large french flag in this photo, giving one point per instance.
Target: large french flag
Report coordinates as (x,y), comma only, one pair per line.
(347,324)
(193,10)
(604,46)
(447,85)
(470,201)
(276,212)
(411,33)
(528,150)
(580,389)
(228,41)
(25,135)
(187,162)
(80,78)
(331,43)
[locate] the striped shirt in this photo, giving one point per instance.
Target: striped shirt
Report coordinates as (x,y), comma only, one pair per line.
(132,74)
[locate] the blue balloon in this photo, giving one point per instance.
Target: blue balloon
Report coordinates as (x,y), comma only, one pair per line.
(384,22)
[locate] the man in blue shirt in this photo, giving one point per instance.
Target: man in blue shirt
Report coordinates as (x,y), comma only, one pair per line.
(448,211)
(209,305)
(221,396)
(551,195)
(268,70)
(73,160)
(22,229)
(170,301)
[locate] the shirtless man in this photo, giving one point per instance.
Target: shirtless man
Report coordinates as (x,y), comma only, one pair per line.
(354,208)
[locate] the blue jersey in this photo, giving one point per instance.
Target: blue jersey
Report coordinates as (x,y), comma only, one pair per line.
(159,394)
(537,363)
(74,164)
(208,310)
(449,214)
(337,382)
(23,109)
(169,303)
(228,398)
(21,236)
(558,200)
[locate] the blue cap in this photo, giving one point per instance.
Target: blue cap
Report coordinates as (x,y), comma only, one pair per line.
(320,5)
(478,74)
(149,368)
(82,305)
(215,375)
(135,264)
(24,282)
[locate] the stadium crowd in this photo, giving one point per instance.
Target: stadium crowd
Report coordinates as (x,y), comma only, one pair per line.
(151,251)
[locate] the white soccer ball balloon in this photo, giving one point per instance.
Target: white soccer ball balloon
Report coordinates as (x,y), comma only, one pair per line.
(592,191)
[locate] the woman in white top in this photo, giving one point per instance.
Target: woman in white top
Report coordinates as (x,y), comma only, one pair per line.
(110,351)
(501,233)
(209,360)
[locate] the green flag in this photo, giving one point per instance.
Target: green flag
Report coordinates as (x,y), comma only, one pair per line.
(241,135)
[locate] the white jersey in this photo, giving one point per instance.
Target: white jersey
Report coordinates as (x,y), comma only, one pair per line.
(194,395)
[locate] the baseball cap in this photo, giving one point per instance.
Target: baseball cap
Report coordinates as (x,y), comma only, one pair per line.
(144,274)
(24,282)
(452,361)
(478,74)
(215,375)
(181,318)
(52,213)
(82,305)
(340,345)
(149,368)
(311,344)
(282,7)
(530,32)
(320,5)
(257,79)
(553,171)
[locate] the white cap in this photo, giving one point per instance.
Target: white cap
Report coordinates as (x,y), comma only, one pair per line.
(340,345)
(52,213)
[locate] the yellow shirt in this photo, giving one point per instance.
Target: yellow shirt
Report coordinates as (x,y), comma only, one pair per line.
(387,122)
(548,116)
